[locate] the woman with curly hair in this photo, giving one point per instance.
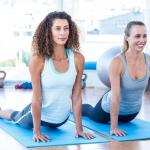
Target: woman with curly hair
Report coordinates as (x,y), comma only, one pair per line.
(56,69)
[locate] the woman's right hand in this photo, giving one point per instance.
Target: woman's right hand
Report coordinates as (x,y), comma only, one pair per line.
(38,137)
(118,132)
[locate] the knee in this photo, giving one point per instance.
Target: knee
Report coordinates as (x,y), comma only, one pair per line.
(26,121)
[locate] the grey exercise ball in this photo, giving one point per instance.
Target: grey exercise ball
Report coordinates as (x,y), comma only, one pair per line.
(103,63)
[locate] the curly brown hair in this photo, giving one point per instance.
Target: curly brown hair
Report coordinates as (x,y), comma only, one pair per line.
(42,42)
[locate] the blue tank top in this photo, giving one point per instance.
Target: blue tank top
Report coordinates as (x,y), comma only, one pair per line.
(131,91)
(57,90)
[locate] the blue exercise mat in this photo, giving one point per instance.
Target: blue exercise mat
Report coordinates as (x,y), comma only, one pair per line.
(64,135)
(136,129)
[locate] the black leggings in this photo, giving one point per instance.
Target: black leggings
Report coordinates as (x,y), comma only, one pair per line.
(99,115)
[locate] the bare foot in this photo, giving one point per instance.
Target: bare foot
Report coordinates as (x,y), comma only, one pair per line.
(6,114)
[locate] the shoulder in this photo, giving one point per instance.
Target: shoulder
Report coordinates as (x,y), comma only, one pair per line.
(116,65)
(79,56)
(116,60)
(36,62)
(79,60)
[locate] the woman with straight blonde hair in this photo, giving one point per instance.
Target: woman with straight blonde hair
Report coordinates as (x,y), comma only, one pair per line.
(129,73)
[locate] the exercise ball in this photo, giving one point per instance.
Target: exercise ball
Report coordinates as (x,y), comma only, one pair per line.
(103,63)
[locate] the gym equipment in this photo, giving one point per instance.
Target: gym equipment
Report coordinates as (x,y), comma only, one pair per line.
(2,78)
(64,135)
(84,77)
(24,85)
(103,63)
(87,66)
(137,129)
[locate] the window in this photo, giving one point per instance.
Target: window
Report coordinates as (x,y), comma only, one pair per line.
(101,25)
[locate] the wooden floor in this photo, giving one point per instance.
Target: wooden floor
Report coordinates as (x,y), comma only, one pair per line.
(17,99)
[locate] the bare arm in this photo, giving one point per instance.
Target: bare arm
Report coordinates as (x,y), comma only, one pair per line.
(35,68)
(77,97)
(115,72)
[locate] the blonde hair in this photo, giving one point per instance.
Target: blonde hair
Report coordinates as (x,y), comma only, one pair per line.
(127,32)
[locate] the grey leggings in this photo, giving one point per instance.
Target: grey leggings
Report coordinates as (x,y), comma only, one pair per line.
(24,119)
(99,115)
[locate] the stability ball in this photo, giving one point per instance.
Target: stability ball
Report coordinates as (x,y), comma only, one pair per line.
(104,62)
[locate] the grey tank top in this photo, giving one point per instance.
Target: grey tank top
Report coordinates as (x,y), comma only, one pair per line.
(131,91)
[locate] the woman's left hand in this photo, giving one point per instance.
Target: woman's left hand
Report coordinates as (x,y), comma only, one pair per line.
(86,136)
